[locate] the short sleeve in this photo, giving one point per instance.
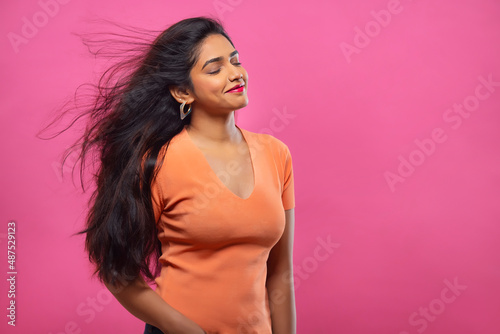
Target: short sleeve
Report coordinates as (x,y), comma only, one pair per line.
(288,195)
(157,198)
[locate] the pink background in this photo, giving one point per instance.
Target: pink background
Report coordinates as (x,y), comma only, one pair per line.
(405,188)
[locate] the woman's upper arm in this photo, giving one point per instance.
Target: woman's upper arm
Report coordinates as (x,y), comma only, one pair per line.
(281,255)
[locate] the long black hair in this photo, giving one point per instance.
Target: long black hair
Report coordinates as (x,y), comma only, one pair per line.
(132,117)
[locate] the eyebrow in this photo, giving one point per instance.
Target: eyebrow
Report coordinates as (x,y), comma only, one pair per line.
(213,60)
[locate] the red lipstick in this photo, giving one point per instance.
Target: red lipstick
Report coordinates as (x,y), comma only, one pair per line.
(237,89)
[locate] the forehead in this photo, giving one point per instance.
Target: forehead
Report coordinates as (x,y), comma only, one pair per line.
(214,46)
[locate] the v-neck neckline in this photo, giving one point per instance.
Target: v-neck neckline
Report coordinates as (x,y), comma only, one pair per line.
(212,172)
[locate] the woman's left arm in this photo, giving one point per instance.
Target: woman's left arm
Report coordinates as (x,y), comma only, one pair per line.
(279,284)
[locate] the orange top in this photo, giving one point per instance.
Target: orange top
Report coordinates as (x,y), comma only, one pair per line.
(215,244)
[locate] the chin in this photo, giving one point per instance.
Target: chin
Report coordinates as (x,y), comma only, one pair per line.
(243,105)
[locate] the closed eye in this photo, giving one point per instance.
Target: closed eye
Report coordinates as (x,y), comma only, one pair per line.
(218,70)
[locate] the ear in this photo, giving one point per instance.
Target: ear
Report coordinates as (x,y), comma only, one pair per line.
(181,94)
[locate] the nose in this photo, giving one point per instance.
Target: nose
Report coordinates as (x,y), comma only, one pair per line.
(235,74)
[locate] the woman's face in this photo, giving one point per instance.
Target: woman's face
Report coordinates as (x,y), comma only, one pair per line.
(216,72)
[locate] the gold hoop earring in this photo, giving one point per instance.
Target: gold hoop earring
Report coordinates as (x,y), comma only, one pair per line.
(184,114)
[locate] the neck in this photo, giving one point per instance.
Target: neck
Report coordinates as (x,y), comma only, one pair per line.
(215,129)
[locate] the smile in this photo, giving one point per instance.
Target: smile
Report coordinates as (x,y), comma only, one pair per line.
(237,89)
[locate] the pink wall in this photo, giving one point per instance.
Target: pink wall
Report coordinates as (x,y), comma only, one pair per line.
(391,110)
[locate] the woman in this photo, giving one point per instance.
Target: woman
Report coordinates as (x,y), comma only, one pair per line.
(181,187)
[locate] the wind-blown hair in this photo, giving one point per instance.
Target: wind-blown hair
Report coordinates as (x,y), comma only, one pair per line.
(128,123)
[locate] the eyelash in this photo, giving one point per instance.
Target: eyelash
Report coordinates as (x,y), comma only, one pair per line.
(215,72)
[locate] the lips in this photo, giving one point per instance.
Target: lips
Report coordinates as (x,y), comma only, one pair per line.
(237,88)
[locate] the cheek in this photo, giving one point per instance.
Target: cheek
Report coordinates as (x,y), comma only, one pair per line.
(209,86)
